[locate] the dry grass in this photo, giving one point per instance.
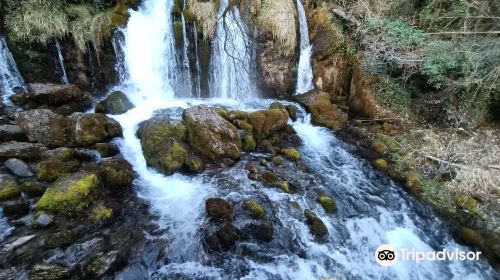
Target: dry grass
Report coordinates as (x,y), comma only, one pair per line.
(206,15)
(278,18)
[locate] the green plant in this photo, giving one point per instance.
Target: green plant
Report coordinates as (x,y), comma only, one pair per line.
(398,32)
(436,67)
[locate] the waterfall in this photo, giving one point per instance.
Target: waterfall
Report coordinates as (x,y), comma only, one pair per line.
(118,41)
(304,71)
(232,60)
(188,86)
(198,69)
(9,74)
(60,59)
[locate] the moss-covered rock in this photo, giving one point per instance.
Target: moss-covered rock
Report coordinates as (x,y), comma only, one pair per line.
(282,185)
(379,147)
(269,177)
(277,105)
(277,161)
(322,109)
(116,173)
(115,104)
(50,170)
(70,194)
(380,164)
(62,154)
(86,129)
(107,149)
(316,225)
(248,143)
(44,126)
(470,205)
(267,122)
(327,203)
(194,163)
(210,134)
(8,187)
(33,188)
(238,115)
(243,125)
(100,213)
(21,150)
(469,236)
(291,154)
(254,208)
(413,183)
(219,208)
(292,111)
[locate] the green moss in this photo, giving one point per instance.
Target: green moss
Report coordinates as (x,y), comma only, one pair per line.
(414,183)
(194,164)
(327,203)
(174,158)
(470,236)
(380,164)
(248,143)
(316,225)
(276,105)
(223,112)
(256,209)
(291,154)
(70,194)
(379,147)
(277,161)
(9,191)
(282,185)
(100,214)
(470,205)
(243,125)
(50,170)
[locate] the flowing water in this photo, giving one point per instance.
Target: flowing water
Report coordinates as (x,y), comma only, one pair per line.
(60,60)
(304,71)
(9,75)
(372,210)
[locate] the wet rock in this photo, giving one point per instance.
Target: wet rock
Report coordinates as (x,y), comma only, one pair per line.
(87,129)
(269,177)
(291,154)
(323,111)
(380,164)
(50,170)
(379,147)
(243,125)
(52,94)
(18,167)
(17,208)
(263,230)
(49,272)
(194,164)
(277,161)
(61,239)
(219,209)
(210,134)
(116,172)
(115,104)
(277,105)
(267,122)
(107,149)
(327,203)
(44,126)
(292,111)
(220,237)
(316,225)
(248,142)
(33,188)
(96,266)
(413,183)
(86,154)
(254,208)
(42,220)
(62,154)
(8,187)
(71,193)
(10,132)
(253,170)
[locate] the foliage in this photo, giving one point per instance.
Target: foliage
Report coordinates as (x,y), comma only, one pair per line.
(392,94)
(398,32)
(278,18)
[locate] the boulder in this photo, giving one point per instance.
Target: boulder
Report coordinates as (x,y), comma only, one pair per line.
(316,225)
(8,187)
(96,266)
(21,150)
(116,172)
(291,154)
(266,122)
(261,230)
(33,188)
(107,149)
(52,94)
(18,167)
(70,194)
(323,111)
(51,169)
(86,129)
(220,237)
(292,111)
(254,208)
(46,272)
(210,134)
(44,126)
(62,154)
(10,132)
(219,209)
(327,203)
(115,104)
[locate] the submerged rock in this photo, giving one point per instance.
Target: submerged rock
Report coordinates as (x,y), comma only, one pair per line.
(18,167)
(210,134)
(115,104)
(316,225)
(219,209)
(220,237)
(44,126)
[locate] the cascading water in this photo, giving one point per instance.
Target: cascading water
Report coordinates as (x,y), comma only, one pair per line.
(186,70)
(231,62)
(9,74)
(60,60)
(371,209)
(304,71)
(198,69)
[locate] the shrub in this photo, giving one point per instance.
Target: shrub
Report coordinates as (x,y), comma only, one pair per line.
(398,32)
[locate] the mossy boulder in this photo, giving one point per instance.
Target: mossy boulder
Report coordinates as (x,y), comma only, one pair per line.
(86,129)
(100,213)
(115,104)
(219,209)
(267,122)
(70,194)
(413,183)
(107,149)
(292,111)
(282,185)
(248,142)
(52,94)
(243,125)
(238,115)
(322,109)
(50,170)
(316,225)
(44,126)
(379,147)
(210,134)
(380,164)
(291,154)
(62,154)
(8,187)
(254,208)
(21,150)
(277,105)
(33,188)
(116,173)
(328,204)
(194,164)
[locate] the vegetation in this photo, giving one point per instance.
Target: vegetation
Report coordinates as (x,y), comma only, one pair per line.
(278,18)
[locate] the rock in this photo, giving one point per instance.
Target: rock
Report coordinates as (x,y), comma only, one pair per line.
(277,105)
(194,164)
(61,239)
(86,154)
(292,111)
(115,104)
(52,94)
(269,177)
(254,208)
(71,193)
(62,154)
(323,111)
(243,125)
(253,170)
(10,132)
(316,225)
(78,105)
(21,150)
(277,161)
(42,220)
(33,188)
(362,98)
(49,272)
(267,122)
(86,129)
(107,149)
(238,115)
(16,208)
(221,237)
(116,172)
(248,142)
(8,187)
(18,167)
(380,164)
(100,214)
(277,70)
(95,267)
(44,126)
(327,203)
(379,147)
(50,170)
(413,183)
(210,134)
(219,209)
(291,154)
(262,230)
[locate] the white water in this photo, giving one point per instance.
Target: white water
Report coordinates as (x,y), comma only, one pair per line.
(188,84)
(232,60)
(198,69)
(304,71)
(9,74)
(60,59)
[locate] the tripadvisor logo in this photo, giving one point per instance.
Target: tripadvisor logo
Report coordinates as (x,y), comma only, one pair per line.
(388,255)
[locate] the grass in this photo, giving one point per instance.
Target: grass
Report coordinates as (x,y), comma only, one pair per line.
(205,14)
(278,18)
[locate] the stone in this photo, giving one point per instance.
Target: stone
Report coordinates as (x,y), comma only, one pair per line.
(21,150)
(107,149)
(15,208)
(277,161)
(380,164)
(51,169)
(8,187)
(52,94)
(316,225)
(292,111)
(9,132)
(42,220)
(62,154)
(277,69)
(269,177)
(277,105)
(210,134)
(220,237)
(327,203)
(267,122)
(33,188)
(115,104)
(379,147)
(254,208)
(291,154)
(219,209)
(116,173)
(248,142)
(96,266)
(86,129)
(322,109)
(44,126)
(49,272)
(263,230)
(18,167)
